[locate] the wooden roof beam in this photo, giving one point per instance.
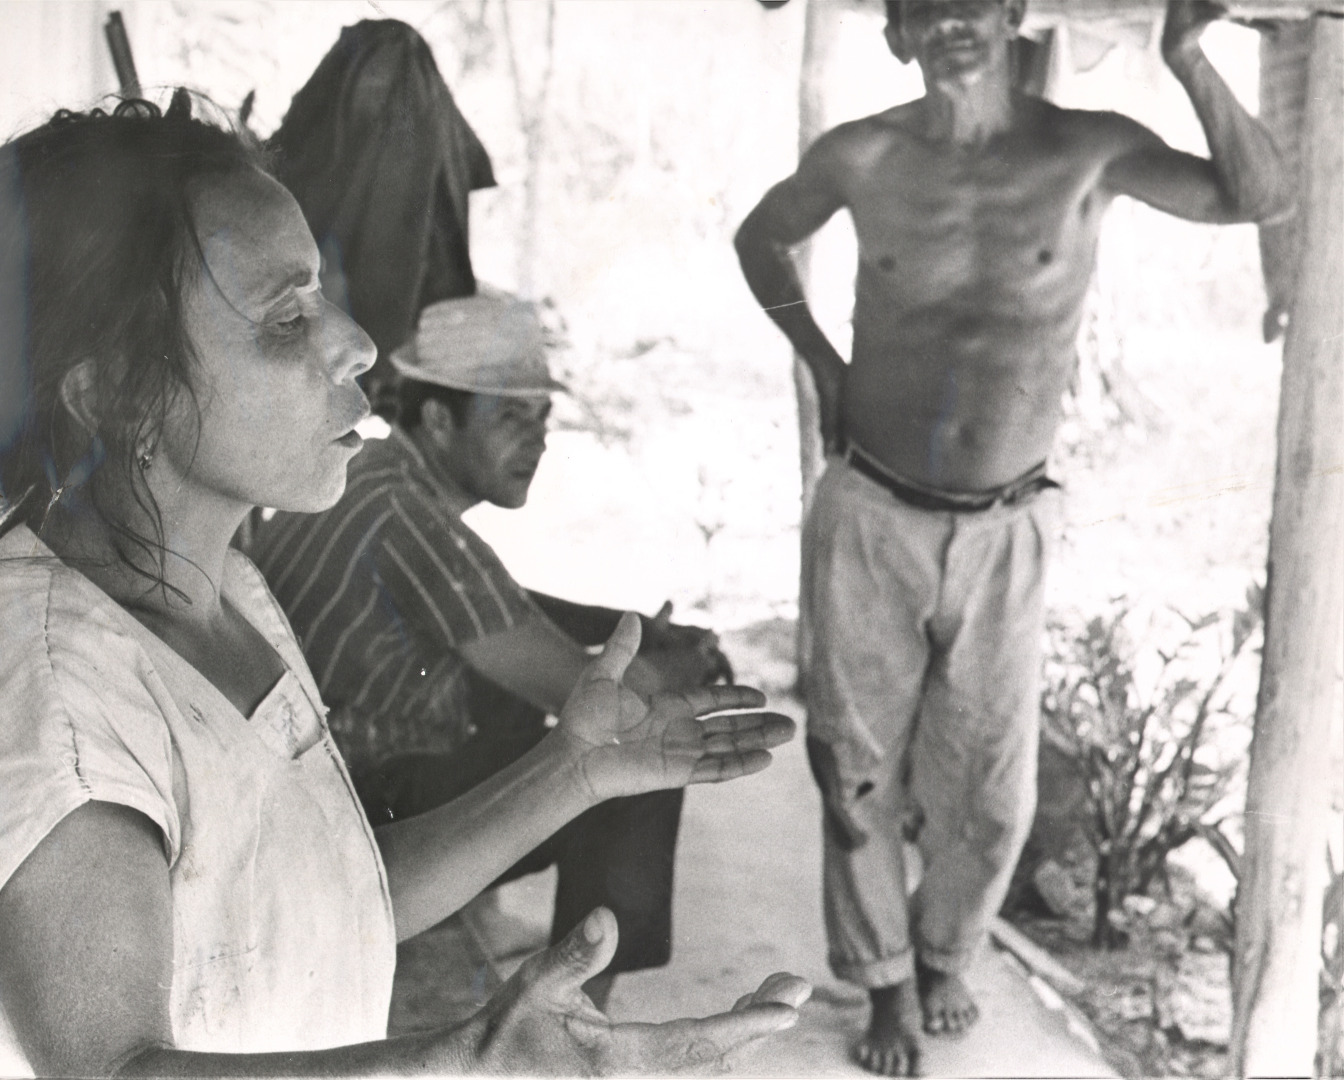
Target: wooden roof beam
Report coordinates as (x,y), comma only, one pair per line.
(1136,10)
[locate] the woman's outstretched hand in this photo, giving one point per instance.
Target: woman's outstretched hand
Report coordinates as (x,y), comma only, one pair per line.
(540,1023)
(623,745)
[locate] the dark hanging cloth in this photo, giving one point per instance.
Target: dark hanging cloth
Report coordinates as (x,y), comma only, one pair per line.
(381,161)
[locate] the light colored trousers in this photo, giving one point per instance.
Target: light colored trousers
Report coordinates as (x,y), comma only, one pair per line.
(923,706)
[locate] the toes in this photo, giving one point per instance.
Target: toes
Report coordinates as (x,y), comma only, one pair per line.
(903,1062)
(961,1019)
(966,1017)
(887,1060)
(870,1058)
(951,1021)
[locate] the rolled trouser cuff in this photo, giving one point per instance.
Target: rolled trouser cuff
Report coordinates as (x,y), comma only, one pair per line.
(876,974)
(948,962)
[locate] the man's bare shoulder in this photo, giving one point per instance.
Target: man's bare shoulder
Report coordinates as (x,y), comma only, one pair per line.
(1100,132)
(856,143)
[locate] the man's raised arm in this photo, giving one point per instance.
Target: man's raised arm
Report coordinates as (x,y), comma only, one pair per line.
(790,212)
(1242,180)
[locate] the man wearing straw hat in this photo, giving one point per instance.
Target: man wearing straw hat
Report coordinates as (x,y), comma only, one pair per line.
(439,667)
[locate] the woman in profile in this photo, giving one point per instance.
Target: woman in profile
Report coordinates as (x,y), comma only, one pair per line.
(187,883)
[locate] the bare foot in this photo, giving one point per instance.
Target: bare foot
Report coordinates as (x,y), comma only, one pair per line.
(948,1006)
(890,1046)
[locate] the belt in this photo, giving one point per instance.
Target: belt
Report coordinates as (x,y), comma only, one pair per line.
(1024,487)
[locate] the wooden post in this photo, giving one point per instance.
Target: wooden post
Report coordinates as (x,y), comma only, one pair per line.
(1285,59)
(1248,10)
(1278,911)
(532,117)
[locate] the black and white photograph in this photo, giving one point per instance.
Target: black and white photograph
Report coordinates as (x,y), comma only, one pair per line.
(763,538)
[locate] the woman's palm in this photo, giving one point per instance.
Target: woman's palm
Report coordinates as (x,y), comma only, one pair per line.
(625,745)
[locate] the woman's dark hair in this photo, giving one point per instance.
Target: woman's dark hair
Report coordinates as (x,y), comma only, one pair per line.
(97,247)
(412,395)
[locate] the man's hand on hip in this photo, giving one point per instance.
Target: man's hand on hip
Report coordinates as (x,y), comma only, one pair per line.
(829,378)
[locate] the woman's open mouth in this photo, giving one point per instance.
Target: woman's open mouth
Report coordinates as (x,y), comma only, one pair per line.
(352,438)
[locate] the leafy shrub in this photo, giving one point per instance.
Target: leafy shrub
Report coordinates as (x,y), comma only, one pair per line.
(1330,1060)
(1154,732)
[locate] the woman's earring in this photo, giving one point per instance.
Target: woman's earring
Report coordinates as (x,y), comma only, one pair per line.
(145,457)
(55,498)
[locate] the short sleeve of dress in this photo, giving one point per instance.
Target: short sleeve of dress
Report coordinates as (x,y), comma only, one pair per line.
(81,711)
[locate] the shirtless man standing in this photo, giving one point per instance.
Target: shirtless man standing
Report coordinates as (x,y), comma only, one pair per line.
(977,211)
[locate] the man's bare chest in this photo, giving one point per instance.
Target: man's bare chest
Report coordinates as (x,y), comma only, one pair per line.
(936,220)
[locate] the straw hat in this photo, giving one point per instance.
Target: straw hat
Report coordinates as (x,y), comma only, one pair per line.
(490,343)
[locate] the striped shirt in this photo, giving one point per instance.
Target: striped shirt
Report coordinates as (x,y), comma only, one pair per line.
(381,590)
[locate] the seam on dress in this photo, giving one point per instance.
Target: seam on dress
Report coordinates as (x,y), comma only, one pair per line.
(84,785)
